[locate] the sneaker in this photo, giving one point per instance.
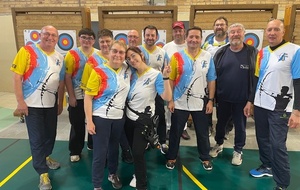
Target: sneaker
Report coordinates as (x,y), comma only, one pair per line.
(52,164)
(171,164)
(115,181)
(216,150)
(279,188)
(164,148)
(236,158)
(261,171)
(89,147)
(127,156)
(45,182)
(74,158)
(207,165)
(185,135)
(133,182)
(226,137)
(98,188)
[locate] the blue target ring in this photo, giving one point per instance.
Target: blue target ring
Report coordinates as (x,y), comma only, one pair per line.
(122,37)
(160,44)
(65,42)
(252,39)
(208,37)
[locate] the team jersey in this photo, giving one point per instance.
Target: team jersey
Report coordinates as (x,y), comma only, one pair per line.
(212,45)
(276,71)
(75,61)
(190,78)
(41,75)
(156,58)
(171,48)
(142,93)
(110,89)
(94,60)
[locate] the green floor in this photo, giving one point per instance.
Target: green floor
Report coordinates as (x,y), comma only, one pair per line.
(77,176)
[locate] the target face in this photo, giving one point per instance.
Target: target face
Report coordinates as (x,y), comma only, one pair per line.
(122,37)
(34,36)
(65,42)
(252,39)
(160,44)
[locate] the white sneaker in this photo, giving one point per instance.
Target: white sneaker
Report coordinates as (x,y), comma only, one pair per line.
(74,158)
(164,148)
(237,158)
(133,181)
(216,150)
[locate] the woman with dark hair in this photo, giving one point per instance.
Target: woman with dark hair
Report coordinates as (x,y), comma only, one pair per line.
(145,83)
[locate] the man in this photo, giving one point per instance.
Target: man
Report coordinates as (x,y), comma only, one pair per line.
(176,45)
(235,72)
(133,38)
(192,72)
(276,103)
(215,42)
(105,39)
(75,61)
(156,57)
(39,88)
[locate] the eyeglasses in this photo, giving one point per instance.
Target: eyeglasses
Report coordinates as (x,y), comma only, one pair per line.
(219,25)
(47,34)
(134,37)
(115,51)
(86,38)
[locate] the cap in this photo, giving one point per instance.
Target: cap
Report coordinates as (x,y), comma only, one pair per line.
(178,24)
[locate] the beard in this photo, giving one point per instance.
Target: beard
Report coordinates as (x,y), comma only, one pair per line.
(236,41)
(220,33)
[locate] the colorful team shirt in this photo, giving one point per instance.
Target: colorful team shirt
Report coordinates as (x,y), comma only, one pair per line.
(276,71)
(143,90)
(212,45)
(155,59)
(94,61)
(110,89)
(190,78)
(41,75)
(75,61)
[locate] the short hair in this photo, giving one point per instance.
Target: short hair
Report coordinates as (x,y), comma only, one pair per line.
(236,25)
(119,42)
(105,32)
(86,31)
(194,28)
(221,18)
(151,27)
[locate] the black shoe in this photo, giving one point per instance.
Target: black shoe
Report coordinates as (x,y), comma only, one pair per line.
(185,135)
(127,157)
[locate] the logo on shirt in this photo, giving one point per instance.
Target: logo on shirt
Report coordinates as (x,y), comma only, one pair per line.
(147,81)
(204,64)
(159,58)
(282,57)
(57,62)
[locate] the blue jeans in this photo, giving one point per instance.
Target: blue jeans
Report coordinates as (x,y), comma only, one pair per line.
(106,146)
(271,134)
(178,120)
(41,126)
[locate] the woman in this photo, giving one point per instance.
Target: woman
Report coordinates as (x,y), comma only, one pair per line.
(104,103)
(145,83)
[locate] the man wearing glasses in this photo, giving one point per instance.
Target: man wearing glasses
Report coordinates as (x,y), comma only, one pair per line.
(133,38)
(39,88)
(75,61)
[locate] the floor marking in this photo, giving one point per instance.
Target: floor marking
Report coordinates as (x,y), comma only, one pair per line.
(15,171)
(188,173)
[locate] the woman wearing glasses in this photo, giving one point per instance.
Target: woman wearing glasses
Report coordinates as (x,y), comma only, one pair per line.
(104,102)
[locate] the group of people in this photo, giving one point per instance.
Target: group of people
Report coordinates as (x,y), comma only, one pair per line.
(106,97)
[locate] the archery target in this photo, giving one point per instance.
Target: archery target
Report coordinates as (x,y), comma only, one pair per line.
(122,37)
(34,36)
(252,39)
(65,42)
(160,44)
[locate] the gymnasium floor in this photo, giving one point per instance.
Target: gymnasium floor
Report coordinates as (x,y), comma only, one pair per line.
(17,173)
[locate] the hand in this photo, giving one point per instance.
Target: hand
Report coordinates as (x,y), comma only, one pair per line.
(59,109)
(22,108)
(166,71)
(90,126)
(209,107)
(248,109)
(171,106)
(72,101)
(294,120)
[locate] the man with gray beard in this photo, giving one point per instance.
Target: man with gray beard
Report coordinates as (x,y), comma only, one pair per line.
(234,65)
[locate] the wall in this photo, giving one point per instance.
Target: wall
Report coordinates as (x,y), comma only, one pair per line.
(7,42)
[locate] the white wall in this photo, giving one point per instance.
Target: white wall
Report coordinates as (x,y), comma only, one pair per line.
(8,51)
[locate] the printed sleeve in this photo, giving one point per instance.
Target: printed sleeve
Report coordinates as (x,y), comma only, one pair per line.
(69,63)
(296,65)
(85,75)
(211,74)
(93,84)
(21,62)
(159,84)
(173,64)
(258,61)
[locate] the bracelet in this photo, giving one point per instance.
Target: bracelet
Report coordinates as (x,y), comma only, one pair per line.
(211,99)
(166,78)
